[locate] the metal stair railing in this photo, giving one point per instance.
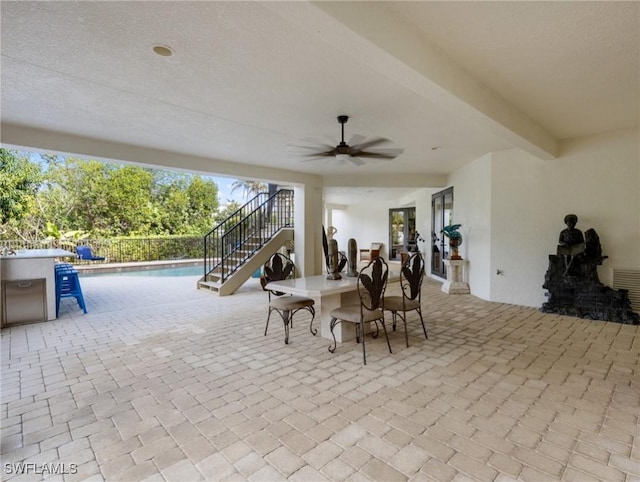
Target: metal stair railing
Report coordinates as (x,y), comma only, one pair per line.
(232,242)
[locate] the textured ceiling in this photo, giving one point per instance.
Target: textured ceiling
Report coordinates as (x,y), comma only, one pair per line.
(248,79)
(571,66)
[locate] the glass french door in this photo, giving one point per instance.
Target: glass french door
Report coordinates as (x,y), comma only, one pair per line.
(441,216)
(402,232)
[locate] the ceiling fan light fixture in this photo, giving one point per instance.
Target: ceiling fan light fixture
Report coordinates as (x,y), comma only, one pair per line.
(342,157)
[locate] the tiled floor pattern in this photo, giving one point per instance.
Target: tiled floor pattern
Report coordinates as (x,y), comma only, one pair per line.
(160,381)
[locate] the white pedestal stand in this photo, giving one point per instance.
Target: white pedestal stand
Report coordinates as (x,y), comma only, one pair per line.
(457,281)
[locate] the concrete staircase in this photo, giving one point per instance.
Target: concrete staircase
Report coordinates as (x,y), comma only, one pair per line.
(243,263)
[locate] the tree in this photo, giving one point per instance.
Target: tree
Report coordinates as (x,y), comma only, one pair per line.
(187,205)
(249,188)
(203,204)
(102,198)
(229,209)
(20,179)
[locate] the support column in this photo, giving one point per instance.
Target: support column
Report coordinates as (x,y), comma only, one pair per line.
(308,217)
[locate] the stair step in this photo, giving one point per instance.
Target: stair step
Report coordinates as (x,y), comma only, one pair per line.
(211,285)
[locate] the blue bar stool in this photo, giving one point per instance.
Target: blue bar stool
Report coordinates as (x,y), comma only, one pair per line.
(68,285)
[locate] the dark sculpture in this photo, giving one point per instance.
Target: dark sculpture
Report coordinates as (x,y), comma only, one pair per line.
(572,281)
(342,258)
(352,258)
(333,255)
(571,242)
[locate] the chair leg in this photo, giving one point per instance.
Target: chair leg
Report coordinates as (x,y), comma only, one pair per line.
(267,327)
(332,324)
(364,351)
(81,304)
(384,327)
(312,310)
(422,321)
(79,297)
(406,332)
(286,319)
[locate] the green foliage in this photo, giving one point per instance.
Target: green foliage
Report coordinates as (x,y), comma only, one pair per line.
(103,199)
(67,240)
(20,179)
(230,209)
(452,232)
(53,232)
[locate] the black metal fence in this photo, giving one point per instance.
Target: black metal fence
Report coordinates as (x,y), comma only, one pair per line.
(123,250)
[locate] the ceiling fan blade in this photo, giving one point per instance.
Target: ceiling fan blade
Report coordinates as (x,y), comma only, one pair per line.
(356,161)
(330,153)
(314,158)
(292,148)
(366,145)
(387,154)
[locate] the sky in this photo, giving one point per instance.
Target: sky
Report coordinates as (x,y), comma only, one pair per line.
(224,190)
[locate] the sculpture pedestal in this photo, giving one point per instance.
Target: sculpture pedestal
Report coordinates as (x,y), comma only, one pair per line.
(457,281)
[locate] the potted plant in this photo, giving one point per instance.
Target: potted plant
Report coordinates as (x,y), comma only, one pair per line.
(455,239)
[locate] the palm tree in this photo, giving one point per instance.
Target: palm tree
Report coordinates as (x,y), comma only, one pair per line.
(249,188)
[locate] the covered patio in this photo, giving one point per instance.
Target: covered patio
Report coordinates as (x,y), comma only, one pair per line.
(171,383)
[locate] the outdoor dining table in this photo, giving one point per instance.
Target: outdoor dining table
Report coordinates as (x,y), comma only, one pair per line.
(328,294)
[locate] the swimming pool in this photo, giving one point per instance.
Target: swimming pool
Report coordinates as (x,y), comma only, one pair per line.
(173,272)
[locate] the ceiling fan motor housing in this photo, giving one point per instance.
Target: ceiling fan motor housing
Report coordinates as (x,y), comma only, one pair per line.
(343,148)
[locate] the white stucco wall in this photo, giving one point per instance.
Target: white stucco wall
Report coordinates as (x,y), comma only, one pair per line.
(597,178)
(367,223)
(472,208)
(511,206)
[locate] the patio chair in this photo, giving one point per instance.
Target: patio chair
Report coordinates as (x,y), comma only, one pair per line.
(278,268)
(372,282)
(411,276)
(68,285)
(85,254)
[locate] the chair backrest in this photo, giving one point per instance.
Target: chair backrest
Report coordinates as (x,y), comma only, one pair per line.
(84,252)
(411,276)
(277,268)
(372,281)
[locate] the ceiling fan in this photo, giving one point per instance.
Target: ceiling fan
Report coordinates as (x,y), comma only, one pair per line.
(354,153)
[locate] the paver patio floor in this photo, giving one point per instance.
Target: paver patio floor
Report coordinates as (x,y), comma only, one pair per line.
(159,381)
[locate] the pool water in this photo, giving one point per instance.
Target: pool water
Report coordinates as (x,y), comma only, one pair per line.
(183,271)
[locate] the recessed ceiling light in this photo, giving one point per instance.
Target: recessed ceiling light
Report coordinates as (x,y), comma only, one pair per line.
(163,50)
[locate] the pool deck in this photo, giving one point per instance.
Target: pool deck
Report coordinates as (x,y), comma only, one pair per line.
(96,268)
(161,382)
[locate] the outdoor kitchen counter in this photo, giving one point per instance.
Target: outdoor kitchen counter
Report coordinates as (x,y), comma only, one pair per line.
(28,265)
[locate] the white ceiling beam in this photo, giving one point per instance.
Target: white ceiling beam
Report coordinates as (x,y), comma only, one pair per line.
(394,48)
(31,138)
